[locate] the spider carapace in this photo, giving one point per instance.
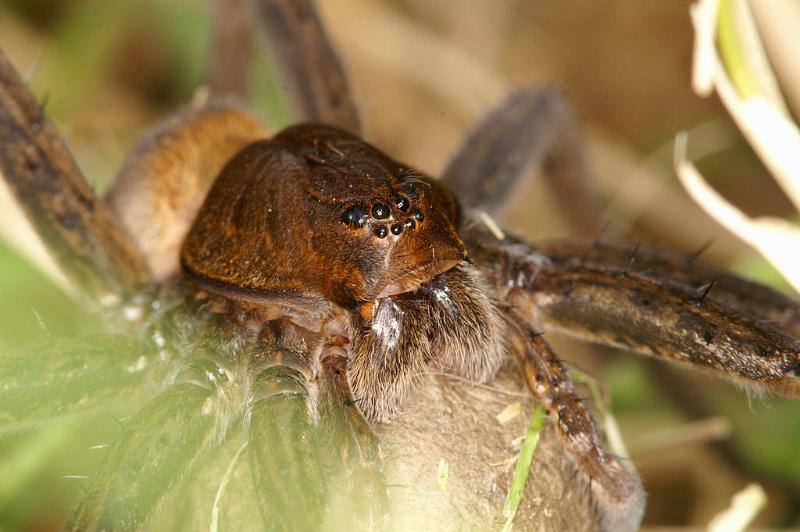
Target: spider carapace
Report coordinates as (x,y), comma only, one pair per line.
(317,213)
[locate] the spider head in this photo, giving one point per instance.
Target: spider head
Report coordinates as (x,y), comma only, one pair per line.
(318,212)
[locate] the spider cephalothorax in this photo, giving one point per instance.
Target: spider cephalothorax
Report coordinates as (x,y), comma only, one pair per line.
(317,213)
(283,293)
(320,224)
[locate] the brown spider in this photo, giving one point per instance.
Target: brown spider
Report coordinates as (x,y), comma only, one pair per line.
(302,285)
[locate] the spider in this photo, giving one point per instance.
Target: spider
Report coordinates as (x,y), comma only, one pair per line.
(304,291)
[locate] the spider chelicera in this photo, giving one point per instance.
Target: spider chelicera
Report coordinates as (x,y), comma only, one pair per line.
(304,294)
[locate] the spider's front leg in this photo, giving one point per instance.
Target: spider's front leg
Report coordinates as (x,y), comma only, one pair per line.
(615,488)
(652,302)
(647,300)
(741,331)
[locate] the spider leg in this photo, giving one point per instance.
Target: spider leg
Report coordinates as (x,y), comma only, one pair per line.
(743,332)
(308,63)
(75,227)
(531,128)
(616,490)
(231,48)
(670,322)
(747,297)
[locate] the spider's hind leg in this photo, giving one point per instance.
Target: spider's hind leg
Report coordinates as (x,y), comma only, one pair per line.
(647,301)
(308,63)
(532,128)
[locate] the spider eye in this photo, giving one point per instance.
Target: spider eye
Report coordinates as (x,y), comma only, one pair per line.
(418,215)
(380,211)
(354,216)
(401,203)
(381,231)
(397,229)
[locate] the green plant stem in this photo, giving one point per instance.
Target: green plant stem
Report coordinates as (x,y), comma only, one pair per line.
(522,471)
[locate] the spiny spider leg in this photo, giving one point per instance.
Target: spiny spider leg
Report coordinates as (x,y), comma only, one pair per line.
(77,230)
(688,272)
(308,63)
(614,488)
(667,321)
(532,128)
(621,305)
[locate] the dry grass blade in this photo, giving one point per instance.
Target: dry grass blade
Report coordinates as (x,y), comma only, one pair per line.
(776,239)
(747,88)
(744,507)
